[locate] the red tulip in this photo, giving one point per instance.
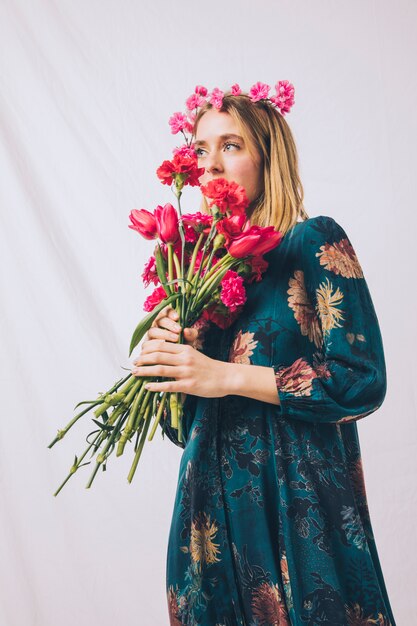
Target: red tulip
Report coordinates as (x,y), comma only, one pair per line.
(167,223)
(144,223)
(255,241)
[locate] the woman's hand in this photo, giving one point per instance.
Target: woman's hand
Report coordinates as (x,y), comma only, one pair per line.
(165,326)
(194,372)
(162,356)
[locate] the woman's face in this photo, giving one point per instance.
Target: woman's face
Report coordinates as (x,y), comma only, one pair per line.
(223,153)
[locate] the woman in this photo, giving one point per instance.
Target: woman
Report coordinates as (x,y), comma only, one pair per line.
(270,523)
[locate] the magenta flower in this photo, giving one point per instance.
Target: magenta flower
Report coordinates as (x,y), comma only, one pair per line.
(233,293)
(259,91)
(149,274)
(284,98)
(254,241)
(185,150)
(200,90)
(178,122)
(235,90)
(144,223)
(154,299)
(216,98)
(167,223)
(194,101)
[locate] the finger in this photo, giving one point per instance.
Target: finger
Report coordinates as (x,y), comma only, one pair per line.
(169,385)
(190,336)
(173,314)
(162,333)
(159,345)
(157,358)
(169,324)
(192,333)
(161,314)
(166,371)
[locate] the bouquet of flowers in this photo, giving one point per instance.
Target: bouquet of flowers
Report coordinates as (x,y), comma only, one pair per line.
(200,265)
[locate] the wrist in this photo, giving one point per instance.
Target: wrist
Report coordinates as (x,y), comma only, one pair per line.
(232,378)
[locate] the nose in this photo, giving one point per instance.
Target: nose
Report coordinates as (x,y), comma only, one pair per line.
(213,163)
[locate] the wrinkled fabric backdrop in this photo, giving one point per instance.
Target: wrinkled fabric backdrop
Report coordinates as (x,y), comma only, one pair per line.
(87,88)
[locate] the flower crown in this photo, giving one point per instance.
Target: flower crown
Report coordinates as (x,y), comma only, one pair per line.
(184,122)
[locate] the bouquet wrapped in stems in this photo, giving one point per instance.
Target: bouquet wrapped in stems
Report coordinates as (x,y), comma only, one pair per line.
(200,266)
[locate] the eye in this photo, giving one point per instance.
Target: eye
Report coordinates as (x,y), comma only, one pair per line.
(198,151)
(235,145)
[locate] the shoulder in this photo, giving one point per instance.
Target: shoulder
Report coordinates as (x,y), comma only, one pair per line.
(325,246)
(322,228)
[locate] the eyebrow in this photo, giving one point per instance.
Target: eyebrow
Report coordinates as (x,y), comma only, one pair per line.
(222,138)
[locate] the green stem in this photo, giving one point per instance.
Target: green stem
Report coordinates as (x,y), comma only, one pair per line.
(140,447)
(158,416)
(209,287)
(170,268)
(63,432)
(75,466)
(102,456)
(115,400)
(128,429)
(193,259)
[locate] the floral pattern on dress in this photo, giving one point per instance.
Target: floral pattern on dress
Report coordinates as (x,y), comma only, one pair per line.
(271,523)
(242,348)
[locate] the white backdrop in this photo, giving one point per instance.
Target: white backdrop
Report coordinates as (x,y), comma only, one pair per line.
(87,88)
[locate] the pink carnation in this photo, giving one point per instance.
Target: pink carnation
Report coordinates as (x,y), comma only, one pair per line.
(194,101)
(233,293)
(259,91)
(285,96)
(185,150)
(178,122)
(194,224)
(149,274)
(202,91)
(235,90)
(154,299)
(216,98)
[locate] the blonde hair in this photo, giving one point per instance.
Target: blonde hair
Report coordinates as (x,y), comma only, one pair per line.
(267,134)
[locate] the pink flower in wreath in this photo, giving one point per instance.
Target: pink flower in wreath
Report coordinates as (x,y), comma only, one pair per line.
(194,101)
(202,91)
(216,98)
(259,91)
(235,90)
(284,98)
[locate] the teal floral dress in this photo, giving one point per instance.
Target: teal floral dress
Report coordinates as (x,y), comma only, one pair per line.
(270,523)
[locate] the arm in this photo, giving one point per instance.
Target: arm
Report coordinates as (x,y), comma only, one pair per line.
(345,379)
(251,381)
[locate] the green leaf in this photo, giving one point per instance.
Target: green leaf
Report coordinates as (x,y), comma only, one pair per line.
(103,426)
(89,435)
(161,268)
(146,323)
(85,402)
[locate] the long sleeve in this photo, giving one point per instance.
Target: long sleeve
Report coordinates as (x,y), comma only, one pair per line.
(342,376)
